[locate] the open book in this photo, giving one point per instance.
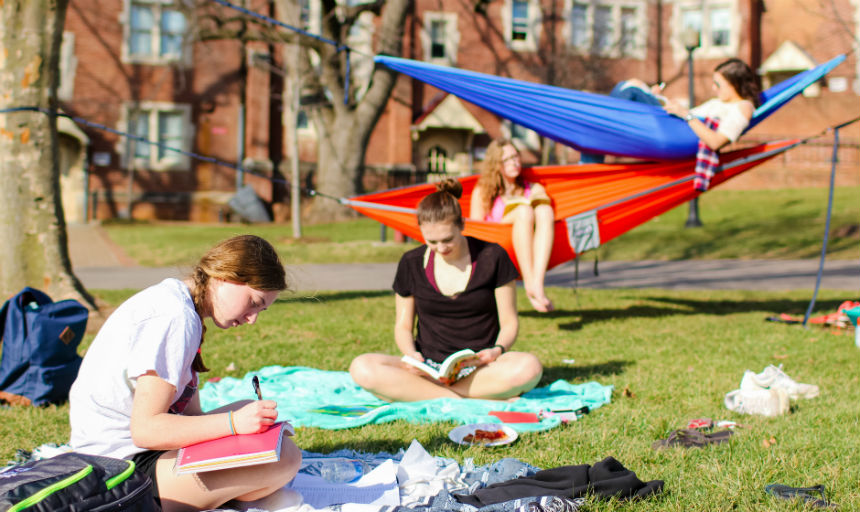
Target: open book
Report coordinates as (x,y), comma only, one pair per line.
(233,451)
(451,366)
(512,202)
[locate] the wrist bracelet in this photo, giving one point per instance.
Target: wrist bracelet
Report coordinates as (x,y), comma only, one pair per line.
(232,426)
(689,117)
(501,347)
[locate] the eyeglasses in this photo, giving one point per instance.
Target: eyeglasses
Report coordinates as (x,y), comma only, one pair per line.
(511,158)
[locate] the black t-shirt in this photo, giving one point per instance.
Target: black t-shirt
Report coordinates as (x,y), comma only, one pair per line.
(467,320)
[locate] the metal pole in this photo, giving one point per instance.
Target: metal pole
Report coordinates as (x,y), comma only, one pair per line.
(693,215)
(240,153)
(130,185)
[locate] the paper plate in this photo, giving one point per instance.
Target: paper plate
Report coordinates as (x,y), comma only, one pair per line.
(459,434)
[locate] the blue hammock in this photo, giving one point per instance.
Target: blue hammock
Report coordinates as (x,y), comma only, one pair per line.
(590,122)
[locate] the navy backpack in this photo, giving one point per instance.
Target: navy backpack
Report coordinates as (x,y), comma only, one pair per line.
(39,344)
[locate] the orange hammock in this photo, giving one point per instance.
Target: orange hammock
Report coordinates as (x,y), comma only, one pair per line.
(593,203)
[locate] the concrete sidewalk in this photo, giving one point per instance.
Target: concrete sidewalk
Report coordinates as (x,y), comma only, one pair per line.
(100,264)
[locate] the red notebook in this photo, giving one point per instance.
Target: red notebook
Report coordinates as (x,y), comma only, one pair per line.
(233,451)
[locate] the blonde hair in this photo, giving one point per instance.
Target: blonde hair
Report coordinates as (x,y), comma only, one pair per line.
(442,205)
(491,181)
(243,259)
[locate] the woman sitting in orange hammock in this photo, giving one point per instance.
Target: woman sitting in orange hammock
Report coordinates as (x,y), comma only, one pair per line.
(502,195)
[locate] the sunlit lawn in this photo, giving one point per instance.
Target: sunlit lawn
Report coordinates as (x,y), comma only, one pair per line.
(774,224)
(671,356)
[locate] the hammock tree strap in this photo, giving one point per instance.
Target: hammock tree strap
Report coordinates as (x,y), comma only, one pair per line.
(740,161)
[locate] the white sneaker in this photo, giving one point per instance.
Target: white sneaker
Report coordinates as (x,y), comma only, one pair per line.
(764,402)
(774,377)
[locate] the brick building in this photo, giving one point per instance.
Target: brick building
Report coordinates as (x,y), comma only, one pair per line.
(127,65)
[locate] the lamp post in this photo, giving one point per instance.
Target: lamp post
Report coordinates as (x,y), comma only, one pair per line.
(691,39)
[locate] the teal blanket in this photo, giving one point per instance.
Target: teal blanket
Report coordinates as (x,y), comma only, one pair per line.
(308,397)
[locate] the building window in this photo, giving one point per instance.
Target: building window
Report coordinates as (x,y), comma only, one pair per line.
(603,39)
(154,32)
(437,39)
(440,38)
(579,25)
(167,125)
(720,27)
(437,160)
(521,21)
(628,30)
(717,22)
(522,136)
(610,28)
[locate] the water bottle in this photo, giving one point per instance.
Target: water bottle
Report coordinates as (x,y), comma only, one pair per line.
(337,469)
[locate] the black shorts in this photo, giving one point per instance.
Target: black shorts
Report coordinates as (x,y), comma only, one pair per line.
(145,463)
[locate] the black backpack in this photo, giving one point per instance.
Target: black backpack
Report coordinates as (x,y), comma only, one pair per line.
(76,482)
(40,338)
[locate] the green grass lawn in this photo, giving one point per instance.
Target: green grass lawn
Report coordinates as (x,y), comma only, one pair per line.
(776,224)
(670,355)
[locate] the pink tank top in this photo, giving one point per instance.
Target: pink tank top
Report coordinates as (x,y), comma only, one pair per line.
(498,209)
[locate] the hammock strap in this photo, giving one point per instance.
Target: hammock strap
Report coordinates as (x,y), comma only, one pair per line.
(730,165)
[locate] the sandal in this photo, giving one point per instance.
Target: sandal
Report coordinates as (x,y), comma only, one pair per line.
(806,493)
(692,438)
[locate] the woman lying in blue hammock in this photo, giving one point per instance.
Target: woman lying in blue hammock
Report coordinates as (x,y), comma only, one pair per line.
(716,122)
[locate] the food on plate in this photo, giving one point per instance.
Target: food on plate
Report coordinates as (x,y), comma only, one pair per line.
(485,436)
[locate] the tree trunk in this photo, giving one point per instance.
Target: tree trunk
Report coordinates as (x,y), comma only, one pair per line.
(32,225)
(339,163)
(344,130)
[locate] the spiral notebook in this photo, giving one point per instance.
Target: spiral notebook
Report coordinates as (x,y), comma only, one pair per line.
(233,451)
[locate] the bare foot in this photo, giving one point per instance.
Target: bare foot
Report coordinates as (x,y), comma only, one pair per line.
(540,303)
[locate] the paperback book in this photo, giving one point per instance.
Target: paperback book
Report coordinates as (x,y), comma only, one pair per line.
(450,367)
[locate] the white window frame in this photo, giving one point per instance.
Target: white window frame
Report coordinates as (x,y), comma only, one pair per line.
(156,58)
(452,37)
(533,31)
(615,49)
(707,50)
(172,161)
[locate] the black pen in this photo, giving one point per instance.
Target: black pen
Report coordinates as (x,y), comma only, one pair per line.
(256,383)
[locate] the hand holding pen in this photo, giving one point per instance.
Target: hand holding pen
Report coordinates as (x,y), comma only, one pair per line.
(256,383)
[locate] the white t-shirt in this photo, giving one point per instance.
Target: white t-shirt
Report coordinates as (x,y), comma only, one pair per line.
(156,329)
(732,120)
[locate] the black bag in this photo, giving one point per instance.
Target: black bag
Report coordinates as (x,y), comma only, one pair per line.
(76,482)
(40,338)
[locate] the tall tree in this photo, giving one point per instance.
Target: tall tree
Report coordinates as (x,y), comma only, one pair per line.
(343,127)
(32,225)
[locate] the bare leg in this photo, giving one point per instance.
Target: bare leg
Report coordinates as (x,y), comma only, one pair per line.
(211,489)
(512,374)
(543,240)
(523,238)
(386,377)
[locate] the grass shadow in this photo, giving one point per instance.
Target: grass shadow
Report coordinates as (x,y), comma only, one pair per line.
(583,372)
(681,307)
(321,297)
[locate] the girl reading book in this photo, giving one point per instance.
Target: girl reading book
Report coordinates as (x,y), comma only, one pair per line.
(136,393)
(503,195)
(462,292)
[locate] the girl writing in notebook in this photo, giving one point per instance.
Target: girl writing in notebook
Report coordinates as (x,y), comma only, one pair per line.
(136,393)
(503,195)
(462,292)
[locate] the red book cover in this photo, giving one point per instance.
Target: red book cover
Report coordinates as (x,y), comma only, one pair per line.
(233,451)
(515,417)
